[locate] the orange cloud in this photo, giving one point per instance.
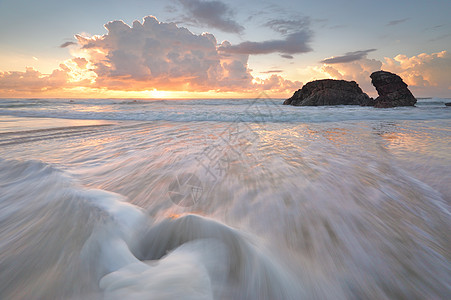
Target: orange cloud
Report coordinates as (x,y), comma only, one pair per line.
(426,74)
(157,55)
(358,71)
(278,84)
(32,80)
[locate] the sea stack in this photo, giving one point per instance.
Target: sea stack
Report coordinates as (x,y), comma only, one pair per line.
(329,92)
(392,90)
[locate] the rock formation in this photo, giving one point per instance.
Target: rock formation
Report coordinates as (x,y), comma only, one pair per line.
(329,92)
(392,90)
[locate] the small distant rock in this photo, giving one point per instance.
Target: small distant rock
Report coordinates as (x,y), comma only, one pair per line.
(329,92)
(392,90)
(448,103)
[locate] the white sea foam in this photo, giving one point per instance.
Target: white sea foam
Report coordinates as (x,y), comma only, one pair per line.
(284,210)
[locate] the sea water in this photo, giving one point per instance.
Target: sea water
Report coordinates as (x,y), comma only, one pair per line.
(223,199)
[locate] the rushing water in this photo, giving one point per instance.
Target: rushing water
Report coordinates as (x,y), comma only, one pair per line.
(223,199)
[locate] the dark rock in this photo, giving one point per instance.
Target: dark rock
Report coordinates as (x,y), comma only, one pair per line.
(392,90)
(368,102)
(329,92)
(448,103)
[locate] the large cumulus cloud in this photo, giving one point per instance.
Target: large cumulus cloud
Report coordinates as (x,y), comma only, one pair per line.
(147,56)
(161,55)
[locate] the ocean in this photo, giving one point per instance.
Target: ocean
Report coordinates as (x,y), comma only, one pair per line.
(223,199)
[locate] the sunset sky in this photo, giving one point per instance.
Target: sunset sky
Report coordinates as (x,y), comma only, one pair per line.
(194,48)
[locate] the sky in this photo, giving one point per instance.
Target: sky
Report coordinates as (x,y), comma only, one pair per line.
(218,49)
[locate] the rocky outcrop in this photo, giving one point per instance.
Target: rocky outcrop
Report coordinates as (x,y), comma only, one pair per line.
(392,90)
(329,92)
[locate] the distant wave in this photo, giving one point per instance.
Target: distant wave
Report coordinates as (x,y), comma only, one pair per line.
(222,110)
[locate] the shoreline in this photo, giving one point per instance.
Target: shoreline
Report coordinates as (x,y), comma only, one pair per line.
(15,124)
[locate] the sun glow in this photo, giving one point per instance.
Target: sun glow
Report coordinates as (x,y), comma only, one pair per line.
(159,94)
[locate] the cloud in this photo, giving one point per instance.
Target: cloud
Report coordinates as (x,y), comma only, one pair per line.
(288,26)
(396,22)
(278,84)
(80,62)
(164,56)
(32,80)
(161,55)
(67,44)
(358,71)
(145,56)
(435,27)
(215,14)
(297,37)
(272,71)
(293,43)
(426,74)
(348,57)
(440,37)
(287,56)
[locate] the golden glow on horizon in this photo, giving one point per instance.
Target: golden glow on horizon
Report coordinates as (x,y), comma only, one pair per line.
(92,93)
(426,75)
(159,94)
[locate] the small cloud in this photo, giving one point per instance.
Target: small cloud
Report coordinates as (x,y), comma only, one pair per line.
(277,83)
(348,57)
(211,13)
(436,26)
(272,71)
(287,56)
(294,43)
(288,26)
(440,37)
(67,44)
(396,22)
(35,58)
